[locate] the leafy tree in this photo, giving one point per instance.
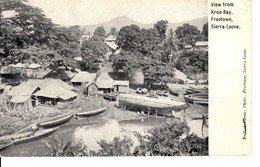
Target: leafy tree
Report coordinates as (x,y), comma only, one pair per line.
(127,62)
(187,34)
(100,31)
(161,27)
(93,49)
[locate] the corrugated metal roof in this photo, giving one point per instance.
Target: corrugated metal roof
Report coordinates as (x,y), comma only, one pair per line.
(202,43)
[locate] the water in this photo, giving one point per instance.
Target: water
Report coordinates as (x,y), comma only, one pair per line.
(90,130)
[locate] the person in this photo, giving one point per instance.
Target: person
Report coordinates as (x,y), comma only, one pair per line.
(34,128)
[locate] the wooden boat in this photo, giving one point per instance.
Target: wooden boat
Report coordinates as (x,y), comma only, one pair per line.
(199,97)
(152,95)
(5,145)
(139,90)
(194,91)
(56,122)
(166,93)
(28,136)
(201,102)
(160,106)
(144,91)
(110,96)
(159,92)
(91,113)
(174,92)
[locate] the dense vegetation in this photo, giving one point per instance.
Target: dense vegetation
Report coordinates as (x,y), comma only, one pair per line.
(30,37)
(166,140)
(157,54)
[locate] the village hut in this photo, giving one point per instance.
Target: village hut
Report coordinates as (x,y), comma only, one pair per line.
(121,86)
(58,74)
(22,100)
(180,77)
(52,94)
(202,45)
(91,89)
(82,78)
(104,83)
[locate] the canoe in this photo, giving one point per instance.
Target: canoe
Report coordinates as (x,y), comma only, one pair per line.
(55,122)
(174,92)
(90,113)
(144,91)
(160,106)
(166,93)
(152,95)
(159,92)
(5,145)
(199,97)
(139,90)
(194,91)
(28,136)
(201,102)
(110,96)
(37,135)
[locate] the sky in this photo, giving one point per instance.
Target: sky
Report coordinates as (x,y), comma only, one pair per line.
(88,12)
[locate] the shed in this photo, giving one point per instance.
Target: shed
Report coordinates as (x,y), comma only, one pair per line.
(180,77)
(121,86)
(83,77)
(105,83)
(91,89)
(52,94)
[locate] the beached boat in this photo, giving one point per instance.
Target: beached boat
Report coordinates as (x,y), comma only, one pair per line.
(194,91)
(56,122)
(139,90)
(166,93)
(152,95)
(110,96)
(159,92)
(37,135)
(201,102)
(158,106)
(174,92)
(28,136)
(91,113)
(197,98)
(5,145)
(144,91)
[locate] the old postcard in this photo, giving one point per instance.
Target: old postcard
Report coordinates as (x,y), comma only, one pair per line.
(125,78)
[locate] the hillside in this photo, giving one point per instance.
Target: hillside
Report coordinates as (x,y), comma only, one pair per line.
(119,22)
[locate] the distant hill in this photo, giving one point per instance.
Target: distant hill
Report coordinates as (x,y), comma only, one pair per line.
(119,22)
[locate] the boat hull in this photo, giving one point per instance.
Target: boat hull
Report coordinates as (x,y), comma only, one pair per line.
(56,122)
(199,98)
(91,113)
(6,145)
(37,135)
(109,96)
(161,107)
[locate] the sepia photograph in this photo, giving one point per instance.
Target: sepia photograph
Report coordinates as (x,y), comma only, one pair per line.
(101,78)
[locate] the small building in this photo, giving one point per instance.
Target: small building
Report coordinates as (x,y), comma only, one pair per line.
(58,74)
(83,77)
(104,83)
(121,86)
(203,45)
(10,76)
(52,94)
(137,78)
(180,77)
(188,47)
(91,89)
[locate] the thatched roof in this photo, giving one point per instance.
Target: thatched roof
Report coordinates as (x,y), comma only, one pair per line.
(9,70)
(54,91)
(104,81)
(83,77)
(180,75)
(20,99)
